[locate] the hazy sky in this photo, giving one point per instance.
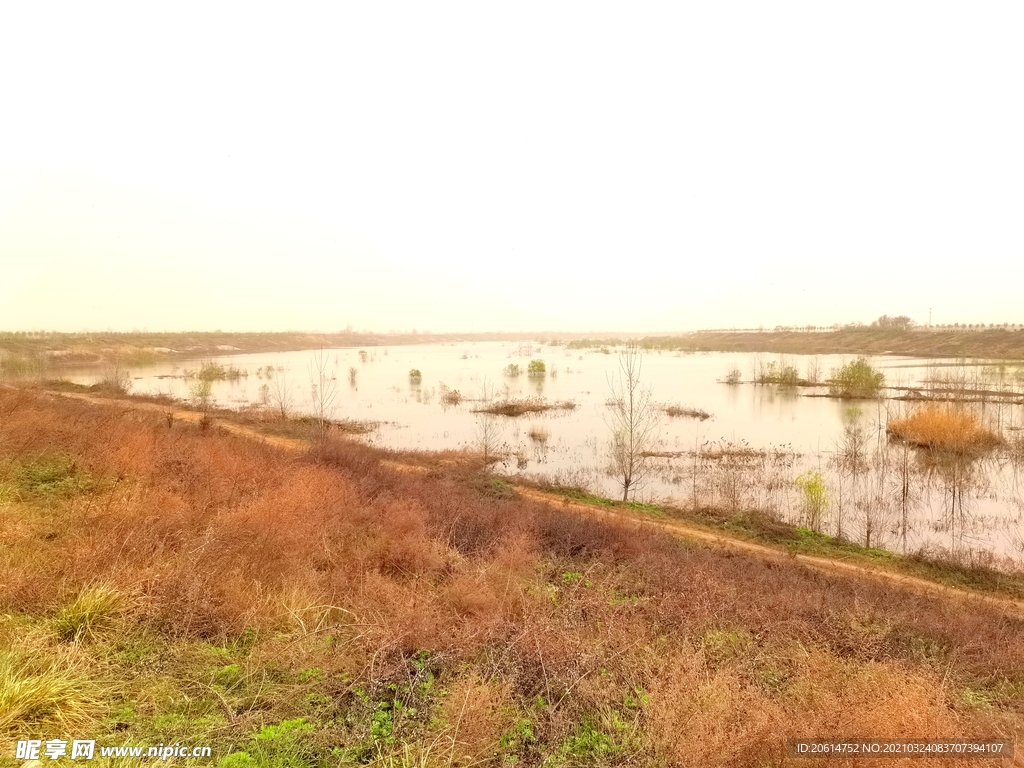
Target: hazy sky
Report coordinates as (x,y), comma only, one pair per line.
(484,166)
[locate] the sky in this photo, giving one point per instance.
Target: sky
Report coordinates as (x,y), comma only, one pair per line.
(509,166)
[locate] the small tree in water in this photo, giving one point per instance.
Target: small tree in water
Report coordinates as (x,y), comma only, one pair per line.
(634,423)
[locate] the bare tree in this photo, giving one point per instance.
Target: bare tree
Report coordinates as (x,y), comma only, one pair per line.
(281,395)
(633,421)
(698,443)
(758,366)
(814,370)
(488,430)
(116,378)
(488,436)
(323,388)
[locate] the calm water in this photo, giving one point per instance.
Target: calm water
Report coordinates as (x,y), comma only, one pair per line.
(785,432)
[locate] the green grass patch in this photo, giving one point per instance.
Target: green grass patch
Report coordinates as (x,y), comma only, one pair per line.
(47,475)
(606,738)
(284,745)
(517,739)
(495,488)
(586,497)
(807,541)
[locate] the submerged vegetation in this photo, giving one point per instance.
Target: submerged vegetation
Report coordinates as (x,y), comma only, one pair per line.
(20,365)
(523,406)
(538,434)
(857,378)
(211,371)
(677,411)
(781,372)
(449,396)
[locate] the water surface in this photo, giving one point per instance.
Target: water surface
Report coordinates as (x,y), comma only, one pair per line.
(759,439)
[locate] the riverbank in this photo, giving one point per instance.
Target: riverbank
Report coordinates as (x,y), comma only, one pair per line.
(163,582)
(31,349)
(994,343)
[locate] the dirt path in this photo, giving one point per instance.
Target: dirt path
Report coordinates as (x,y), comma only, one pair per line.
(288,443)
(716,538)
(967,598)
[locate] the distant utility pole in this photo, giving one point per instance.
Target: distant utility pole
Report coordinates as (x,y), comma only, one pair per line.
(929,317)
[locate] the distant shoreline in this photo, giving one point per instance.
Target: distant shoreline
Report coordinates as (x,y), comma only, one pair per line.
(995,343)
(140,348)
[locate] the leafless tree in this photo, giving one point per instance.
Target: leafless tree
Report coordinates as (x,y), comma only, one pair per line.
(633,421)
(758,367)
(488,430)
(281,395)
(488,436)
(116,378)
(323,388)
(698,444)
(814,370)
(850,460)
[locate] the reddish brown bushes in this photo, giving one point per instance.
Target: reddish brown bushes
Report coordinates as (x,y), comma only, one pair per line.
(214,534)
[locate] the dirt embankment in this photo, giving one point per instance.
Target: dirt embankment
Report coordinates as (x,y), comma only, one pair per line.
(679,528)
(139,348)
(994,343)
(302,605)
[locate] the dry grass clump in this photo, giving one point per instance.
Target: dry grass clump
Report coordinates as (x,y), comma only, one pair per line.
(948,428)
(709,711)
(525,405)
(89,612)
(42,688)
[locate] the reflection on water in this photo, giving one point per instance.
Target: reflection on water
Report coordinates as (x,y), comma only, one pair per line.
(749,454)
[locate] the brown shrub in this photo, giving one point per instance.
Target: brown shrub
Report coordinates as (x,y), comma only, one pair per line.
(702,716)
(476,713)
(948,428)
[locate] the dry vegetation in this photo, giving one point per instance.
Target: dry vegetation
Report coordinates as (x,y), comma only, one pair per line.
(171,585)
(523,406)
(944,428)
(24,350)
(681,411)
(538,433)
(989,343)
